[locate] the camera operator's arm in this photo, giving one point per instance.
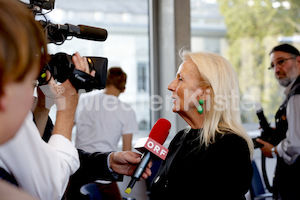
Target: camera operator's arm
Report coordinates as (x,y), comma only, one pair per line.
(67,100)
(66,106)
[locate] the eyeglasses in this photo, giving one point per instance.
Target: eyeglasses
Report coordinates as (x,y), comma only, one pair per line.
(280,63)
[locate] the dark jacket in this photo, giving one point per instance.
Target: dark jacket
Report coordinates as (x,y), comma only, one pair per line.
(286,175)
(221,171)
(93,166)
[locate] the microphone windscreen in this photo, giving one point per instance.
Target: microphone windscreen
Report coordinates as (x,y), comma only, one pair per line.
(160,131)
(92,33)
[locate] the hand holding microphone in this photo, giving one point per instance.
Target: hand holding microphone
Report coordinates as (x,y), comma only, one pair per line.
(151,148)
(125,162)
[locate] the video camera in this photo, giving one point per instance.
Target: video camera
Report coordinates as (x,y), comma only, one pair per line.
(268,134)
(62,68)
(60,64)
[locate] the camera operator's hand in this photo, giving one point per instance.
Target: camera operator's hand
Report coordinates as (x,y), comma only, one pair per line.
(82,63)
(125,162)
(266,148)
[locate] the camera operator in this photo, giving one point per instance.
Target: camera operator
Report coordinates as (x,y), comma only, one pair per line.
(285,61)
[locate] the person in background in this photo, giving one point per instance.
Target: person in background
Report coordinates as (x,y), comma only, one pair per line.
(285,61)
(211,159)
(102,119)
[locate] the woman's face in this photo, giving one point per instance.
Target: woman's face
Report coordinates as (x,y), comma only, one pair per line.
(16,102)
(185,88)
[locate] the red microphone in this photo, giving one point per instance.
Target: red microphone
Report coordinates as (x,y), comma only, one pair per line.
(151,146)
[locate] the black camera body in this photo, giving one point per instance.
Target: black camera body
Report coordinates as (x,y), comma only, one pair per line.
(62,68)
(268,134)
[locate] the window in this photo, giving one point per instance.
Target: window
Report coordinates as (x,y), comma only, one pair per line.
(244,32)
(141,77)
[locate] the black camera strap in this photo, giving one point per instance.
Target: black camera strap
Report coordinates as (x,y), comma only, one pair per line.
(82,80)
(8,177)
(264,173)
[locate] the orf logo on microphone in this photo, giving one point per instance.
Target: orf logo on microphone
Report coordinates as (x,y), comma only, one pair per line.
(156,148)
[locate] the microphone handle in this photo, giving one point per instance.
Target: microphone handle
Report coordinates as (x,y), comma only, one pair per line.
(139,171)
(142,166)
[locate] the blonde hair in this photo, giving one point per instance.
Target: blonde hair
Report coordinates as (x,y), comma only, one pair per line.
(220,80)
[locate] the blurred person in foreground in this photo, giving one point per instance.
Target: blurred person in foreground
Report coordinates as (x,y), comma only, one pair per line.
(21,59)
(211,159)
(102,119)
(39,168)
(285,61)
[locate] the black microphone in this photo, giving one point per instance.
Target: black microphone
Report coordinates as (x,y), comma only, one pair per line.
(151,146)
(92,33)
(59,32)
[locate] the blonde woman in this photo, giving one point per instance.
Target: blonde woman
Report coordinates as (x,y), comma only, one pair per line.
(211,159)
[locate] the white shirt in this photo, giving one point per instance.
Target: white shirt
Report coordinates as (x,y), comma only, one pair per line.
(289,148)
(42,169)
(101,120)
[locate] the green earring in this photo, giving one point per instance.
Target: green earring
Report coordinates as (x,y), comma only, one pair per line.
(200,108)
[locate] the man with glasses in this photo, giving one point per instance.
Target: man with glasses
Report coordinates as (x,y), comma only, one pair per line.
(285,61)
